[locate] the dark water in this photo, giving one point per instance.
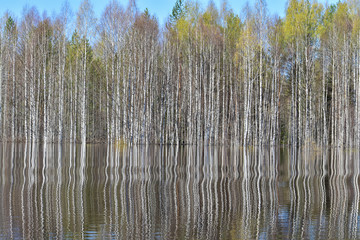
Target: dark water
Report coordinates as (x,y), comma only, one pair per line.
(177,193)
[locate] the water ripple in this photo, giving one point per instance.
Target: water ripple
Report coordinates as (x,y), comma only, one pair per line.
(166,192)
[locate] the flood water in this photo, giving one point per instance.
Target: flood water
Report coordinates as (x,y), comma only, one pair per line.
(153,192)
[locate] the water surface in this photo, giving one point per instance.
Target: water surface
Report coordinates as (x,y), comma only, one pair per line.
(153,192)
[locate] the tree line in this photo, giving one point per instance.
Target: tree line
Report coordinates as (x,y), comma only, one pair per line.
(207,76)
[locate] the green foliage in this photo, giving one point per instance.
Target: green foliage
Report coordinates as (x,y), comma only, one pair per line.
(211,15)
(338,20)
(210,23)
(74,44)
(147,13)
(248,35)
(10,24)
(76,47)
(179,21)
(276,34)
(314,14)
(10,27)
(177,11)
(302,20)
(192,12)
(233,28)
(327,20)
(342,19)
(184,19)
(182,28)
(356,25)
(290,26)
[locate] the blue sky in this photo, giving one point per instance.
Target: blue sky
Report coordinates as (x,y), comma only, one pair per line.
(161,8)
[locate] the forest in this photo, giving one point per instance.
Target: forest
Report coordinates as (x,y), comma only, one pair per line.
(207,76)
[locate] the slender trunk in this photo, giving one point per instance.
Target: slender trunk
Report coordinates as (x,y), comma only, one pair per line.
(223,112)
(26,93)
(62,60)
(45,100)
(261,115)
(1,90)
(13,119)
(83,98)
(189,120)
(324,105)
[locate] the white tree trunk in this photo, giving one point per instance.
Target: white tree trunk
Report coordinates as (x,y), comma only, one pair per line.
(83,99)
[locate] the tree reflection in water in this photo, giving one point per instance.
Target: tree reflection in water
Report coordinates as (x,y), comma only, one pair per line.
(191,192)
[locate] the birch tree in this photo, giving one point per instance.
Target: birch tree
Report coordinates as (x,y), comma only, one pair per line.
(85,22)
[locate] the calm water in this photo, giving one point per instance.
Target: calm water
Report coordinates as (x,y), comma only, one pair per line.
(177,193)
